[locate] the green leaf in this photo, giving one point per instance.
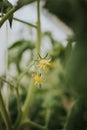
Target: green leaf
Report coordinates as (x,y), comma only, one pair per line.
(16,44)
(17,50)
(22,44)
(24,2)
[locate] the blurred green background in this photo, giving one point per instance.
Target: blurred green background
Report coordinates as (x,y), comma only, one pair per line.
(60,103)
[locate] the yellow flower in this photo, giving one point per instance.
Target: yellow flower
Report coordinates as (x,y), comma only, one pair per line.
(43,63)
(38,79)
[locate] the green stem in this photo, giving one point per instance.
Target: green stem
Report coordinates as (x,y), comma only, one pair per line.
(27,23)
(4,113)
(38,28)
(10,12)
(26,107)
(23,73)
(5,17)
(27,104)
(21,113)
(33,124)
(6,81)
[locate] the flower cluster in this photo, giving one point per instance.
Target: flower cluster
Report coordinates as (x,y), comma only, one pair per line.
(41,67)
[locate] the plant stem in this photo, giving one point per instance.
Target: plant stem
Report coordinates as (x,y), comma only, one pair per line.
(27,104)
(4,113)
(10,12)
(26,107)
(38,28)
(5,17)
(10,84)
(33,124)
(27,23)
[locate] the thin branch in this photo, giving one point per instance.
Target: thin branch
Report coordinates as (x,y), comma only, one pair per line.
(27,23)
(12,11)
(23,73)
(3,79)
(38,28)
(5,17)
(33,124)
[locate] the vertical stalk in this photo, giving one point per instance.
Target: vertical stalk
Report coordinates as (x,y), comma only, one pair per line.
(27,104)
(26,107)
(38,28)
(4,113)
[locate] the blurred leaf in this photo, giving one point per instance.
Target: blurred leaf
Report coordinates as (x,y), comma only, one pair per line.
(16,44)
(22,3)
(76,69)
(76,119)
(23,44)
(58,51)
(17,49)
(71,12)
